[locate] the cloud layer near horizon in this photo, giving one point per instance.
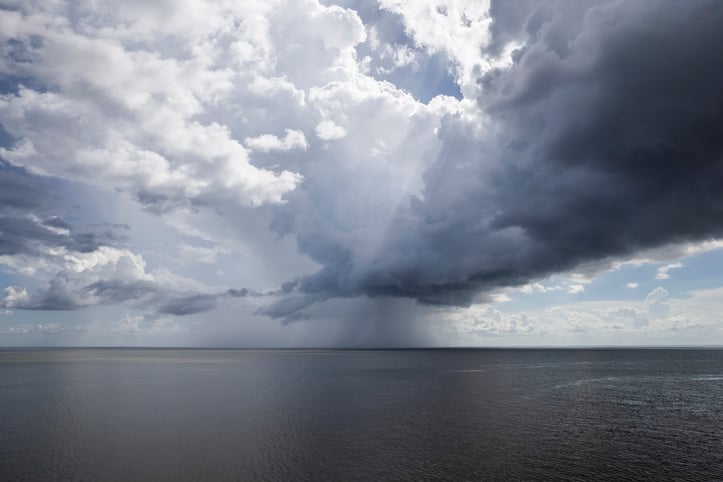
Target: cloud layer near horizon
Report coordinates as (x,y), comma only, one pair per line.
(584,133)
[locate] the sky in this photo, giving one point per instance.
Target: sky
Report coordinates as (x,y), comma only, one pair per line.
(360,173)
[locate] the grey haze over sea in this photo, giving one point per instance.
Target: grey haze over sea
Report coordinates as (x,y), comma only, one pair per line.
(317,415)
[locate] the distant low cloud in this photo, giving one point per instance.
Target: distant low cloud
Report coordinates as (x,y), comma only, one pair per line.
(690,319)
(140,325)
(487,322)
(42,329)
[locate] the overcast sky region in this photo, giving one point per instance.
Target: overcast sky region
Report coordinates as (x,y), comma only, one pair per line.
(309,173)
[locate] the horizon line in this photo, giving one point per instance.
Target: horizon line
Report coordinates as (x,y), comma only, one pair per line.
(366,348)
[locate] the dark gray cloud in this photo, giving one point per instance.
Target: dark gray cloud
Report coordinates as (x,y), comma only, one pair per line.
(31,221)
(122,291)
(237,293)
(188,304)
(66,291)
(607,139)
(289,308)
(614,129)
(17,192)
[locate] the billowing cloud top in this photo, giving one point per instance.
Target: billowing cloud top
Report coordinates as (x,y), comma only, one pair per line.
(557,135)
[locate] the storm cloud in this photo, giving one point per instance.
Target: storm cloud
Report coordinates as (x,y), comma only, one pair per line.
(604,137)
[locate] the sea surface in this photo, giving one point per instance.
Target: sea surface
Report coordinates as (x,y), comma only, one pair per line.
(327,415)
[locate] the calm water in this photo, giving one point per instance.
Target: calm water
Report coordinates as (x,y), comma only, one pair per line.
(181,415)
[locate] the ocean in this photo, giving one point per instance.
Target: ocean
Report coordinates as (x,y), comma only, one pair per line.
(346,415)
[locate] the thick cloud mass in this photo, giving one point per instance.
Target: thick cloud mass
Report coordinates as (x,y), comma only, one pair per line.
(619,128)
(604,136)
(120,104)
